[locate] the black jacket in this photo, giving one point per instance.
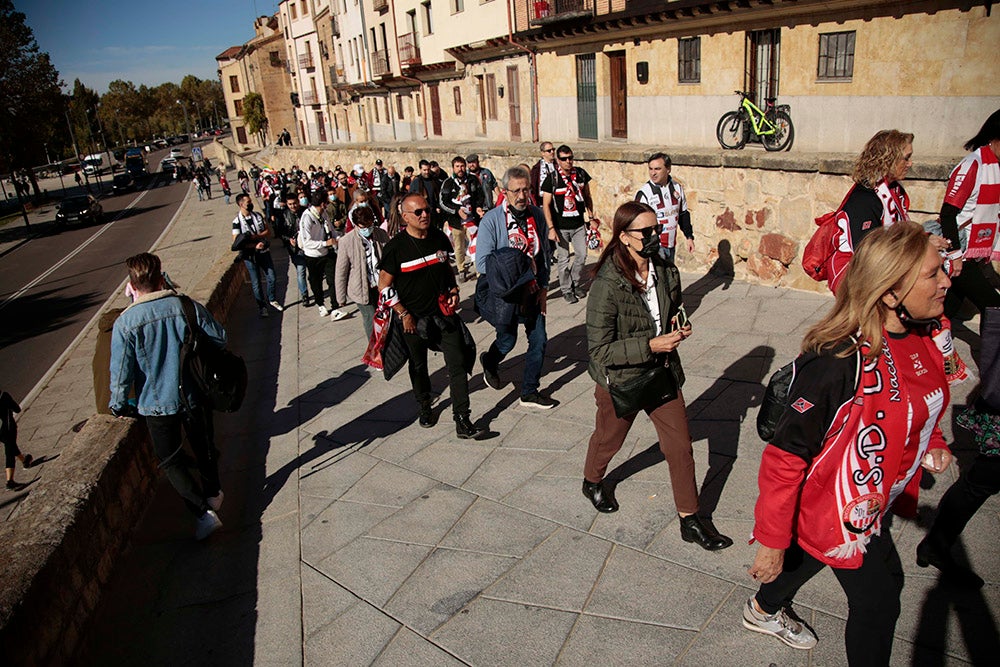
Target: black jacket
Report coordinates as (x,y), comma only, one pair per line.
(450,190)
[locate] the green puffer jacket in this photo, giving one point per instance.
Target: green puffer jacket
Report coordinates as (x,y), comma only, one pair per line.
(619,325)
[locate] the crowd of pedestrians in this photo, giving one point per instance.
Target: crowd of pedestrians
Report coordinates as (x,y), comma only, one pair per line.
(873,374)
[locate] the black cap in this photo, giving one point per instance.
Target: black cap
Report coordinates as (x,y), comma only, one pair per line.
(378,162)
(472,158)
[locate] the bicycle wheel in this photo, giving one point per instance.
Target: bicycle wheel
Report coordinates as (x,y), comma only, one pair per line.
(732,130)
(783,133)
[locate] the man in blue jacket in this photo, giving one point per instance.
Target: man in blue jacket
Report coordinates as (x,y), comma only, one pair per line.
(518,225)
(146,351)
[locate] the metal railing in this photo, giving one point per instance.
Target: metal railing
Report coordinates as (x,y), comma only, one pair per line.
(380,5)
(549,11)
(334,25)
(306,61)
(380,63)
(309,98)
(409,51)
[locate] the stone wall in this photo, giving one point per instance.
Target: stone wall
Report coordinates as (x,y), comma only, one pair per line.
(58,552)
(756,209)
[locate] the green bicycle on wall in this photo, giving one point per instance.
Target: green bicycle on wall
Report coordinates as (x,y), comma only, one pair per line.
(773,127)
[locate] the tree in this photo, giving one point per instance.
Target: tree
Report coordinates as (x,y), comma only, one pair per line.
(30,94)
(254,116)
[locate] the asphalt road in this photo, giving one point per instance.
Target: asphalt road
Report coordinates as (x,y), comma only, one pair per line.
(69,273)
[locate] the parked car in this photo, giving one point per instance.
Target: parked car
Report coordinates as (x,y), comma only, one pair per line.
(161,143)
(79,208)
(168,165)
(176,152)
(122,183)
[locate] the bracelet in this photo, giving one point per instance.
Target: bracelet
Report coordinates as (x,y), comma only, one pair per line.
(403,313)
(955,254)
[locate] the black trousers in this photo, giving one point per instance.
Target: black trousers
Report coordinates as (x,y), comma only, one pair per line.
(964,498)
(872,596)
(451,347)
(10,450)
(972,284)
(320,268)
(165,432)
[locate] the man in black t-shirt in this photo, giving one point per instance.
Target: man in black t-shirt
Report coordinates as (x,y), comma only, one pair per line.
(565,199)
(415,263)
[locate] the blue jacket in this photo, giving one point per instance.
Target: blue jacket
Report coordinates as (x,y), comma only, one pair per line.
(146,350)
(499,291)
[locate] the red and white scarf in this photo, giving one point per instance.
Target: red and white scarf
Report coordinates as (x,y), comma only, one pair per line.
(571,193)
(526,243)
(380,326)
(856,477)
(894,209)
(974,187)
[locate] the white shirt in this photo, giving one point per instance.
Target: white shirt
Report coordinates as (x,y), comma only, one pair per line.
(649,294)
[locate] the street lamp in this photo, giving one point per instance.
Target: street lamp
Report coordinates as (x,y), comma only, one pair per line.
(187,124)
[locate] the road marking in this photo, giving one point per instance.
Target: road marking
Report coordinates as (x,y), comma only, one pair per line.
(116,293)
(73,254)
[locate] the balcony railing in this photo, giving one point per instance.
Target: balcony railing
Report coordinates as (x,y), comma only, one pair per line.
(306,61)
(309,98)
(380,5)
(336,75)
(409,52)
(380,63)
(552,11)
(334,26)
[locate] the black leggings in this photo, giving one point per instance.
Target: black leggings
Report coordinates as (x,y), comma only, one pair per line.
(10,451)
(964,498)
(972,284)
(872,596)
(320,268)
(165,432)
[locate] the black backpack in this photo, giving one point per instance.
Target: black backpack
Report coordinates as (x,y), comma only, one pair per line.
(215,375)
(775,400)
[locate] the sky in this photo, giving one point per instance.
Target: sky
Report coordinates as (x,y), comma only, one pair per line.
(144,41)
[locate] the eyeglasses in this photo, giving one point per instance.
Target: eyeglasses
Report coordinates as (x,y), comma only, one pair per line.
(647,232)
(566,158)
(520,191)
(419,211)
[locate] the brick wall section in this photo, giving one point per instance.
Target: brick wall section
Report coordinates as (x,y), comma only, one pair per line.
(58,553)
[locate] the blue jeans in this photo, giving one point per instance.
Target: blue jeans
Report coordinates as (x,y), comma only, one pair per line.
(262,261)
(534,329)
(299,262)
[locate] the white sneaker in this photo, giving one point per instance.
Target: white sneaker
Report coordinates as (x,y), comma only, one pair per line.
(323,312)
(780,625)
(207,524)
(338,315)
(215,502)
(277,306)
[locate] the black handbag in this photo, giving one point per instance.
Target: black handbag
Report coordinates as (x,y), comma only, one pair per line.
(652,389)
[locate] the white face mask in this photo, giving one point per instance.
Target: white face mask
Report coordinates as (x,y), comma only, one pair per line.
(365,231)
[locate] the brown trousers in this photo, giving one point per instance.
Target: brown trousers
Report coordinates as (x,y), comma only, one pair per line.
(670,422)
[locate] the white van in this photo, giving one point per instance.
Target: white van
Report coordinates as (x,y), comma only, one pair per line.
(93,163)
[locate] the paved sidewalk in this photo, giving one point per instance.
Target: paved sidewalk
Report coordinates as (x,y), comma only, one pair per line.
(354,537)
(196,238)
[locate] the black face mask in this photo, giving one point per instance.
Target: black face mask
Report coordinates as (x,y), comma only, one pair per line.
(650,246)
(250,207)
(928,324)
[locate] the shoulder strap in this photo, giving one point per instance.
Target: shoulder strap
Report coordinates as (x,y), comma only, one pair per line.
(190,318)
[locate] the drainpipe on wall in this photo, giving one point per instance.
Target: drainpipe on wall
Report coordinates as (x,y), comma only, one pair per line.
(532,74)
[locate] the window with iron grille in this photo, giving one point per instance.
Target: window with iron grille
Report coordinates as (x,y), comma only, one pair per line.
(234,84)
(836,56)
(689,60)
(458,100)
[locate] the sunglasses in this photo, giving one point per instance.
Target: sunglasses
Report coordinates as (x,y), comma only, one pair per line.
(548,150)
(646,232)
(566,158)
(680,320)
(419,211)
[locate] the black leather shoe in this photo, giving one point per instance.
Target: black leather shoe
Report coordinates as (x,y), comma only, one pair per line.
(426,415)
(693,529)
(933,552)
(466,430)
(602,496)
